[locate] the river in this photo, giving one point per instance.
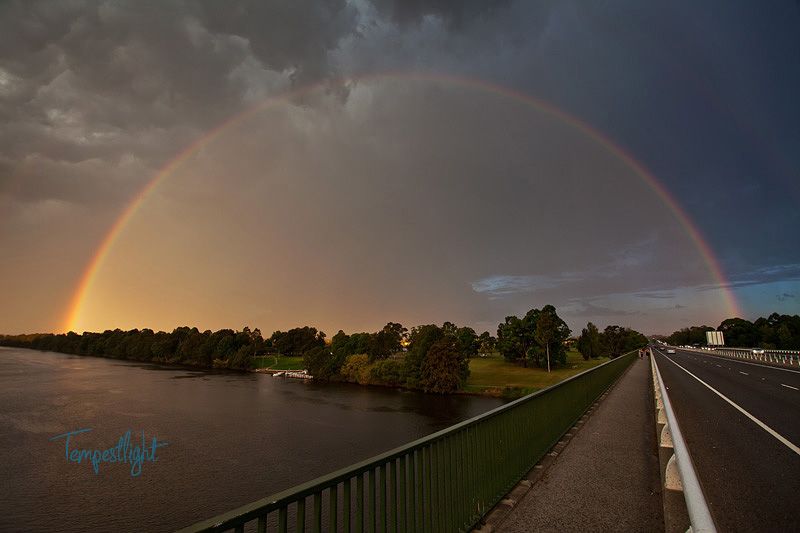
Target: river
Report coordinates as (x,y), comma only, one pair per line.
(221,439)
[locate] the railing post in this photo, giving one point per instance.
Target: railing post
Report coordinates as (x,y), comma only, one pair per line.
(333,509)
(428,510)
(360,503)
(281,521)
(401,526)
(463,475)
(418,502)
(301,515)
(392,496)
(346,510)
(382,500)
(436,487)
(317,525)
(373,508)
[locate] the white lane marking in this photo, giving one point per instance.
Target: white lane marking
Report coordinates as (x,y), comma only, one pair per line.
(788,386)
(763,426)
(743,373)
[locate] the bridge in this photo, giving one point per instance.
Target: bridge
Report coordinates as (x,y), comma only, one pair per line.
(504,469)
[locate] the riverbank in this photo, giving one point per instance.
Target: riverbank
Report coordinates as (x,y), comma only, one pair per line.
(489,376)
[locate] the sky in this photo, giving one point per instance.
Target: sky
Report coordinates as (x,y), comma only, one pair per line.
(347,163)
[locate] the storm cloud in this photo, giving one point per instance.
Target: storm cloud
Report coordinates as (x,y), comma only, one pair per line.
(397,161)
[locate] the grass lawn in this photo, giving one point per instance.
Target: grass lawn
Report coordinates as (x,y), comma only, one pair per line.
(496,375)
(490,375)
(278,362)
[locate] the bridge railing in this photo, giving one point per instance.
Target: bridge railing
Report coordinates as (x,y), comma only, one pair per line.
(447,481)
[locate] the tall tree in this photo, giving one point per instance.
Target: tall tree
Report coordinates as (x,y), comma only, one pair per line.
(386,342)
(589,342)
(617,340)
(551,332)
(395,334)
(323,363)
(613,340)
(297,341)
(448,328)
(739,333)
(466,342)
(444,369)
(256,341)
(421,339)
(486,342)
(515,338)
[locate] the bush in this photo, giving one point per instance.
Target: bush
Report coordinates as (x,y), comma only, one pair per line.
(387,372)
(357,369)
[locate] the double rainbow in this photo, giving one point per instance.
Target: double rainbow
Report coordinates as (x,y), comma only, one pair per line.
(78,301)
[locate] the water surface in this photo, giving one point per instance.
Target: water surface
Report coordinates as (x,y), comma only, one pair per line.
(232,438)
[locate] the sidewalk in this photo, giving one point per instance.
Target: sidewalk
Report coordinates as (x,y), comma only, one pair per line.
(607,477)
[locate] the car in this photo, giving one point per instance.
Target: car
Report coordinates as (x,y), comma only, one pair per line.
(670,350)
(758,351)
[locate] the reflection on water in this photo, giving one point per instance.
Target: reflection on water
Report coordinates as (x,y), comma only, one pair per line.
(232,438)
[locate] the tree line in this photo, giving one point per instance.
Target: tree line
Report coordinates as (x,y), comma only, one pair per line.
(612,342)
(537,338)
(540,338)
(776,332)
(436,358)
(429,357)
(433,359)
(225,348)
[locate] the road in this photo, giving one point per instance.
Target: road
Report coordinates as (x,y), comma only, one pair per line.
(748,463)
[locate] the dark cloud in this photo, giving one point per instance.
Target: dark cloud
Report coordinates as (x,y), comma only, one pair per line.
(108,80)
(766,275)
(284,35)
(455,13)
(478,202)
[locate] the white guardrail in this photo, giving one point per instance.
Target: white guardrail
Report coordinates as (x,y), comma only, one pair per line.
(783,357)
(680,474)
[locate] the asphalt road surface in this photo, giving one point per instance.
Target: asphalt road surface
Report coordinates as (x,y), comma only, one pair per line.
(748,463)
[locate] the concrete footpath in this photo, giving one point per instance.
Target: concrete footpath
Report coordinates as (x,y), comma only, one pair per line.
(604,475)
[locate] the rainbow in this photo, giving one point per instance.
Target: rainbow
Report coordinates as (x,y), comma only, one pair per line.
(78,301)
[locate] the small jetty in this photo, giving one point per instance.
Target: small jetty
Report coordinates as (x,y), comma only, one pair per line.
(297,375)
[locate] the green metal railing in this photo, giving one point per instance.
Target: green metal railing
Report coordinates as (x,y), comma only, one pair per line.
(446,481)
